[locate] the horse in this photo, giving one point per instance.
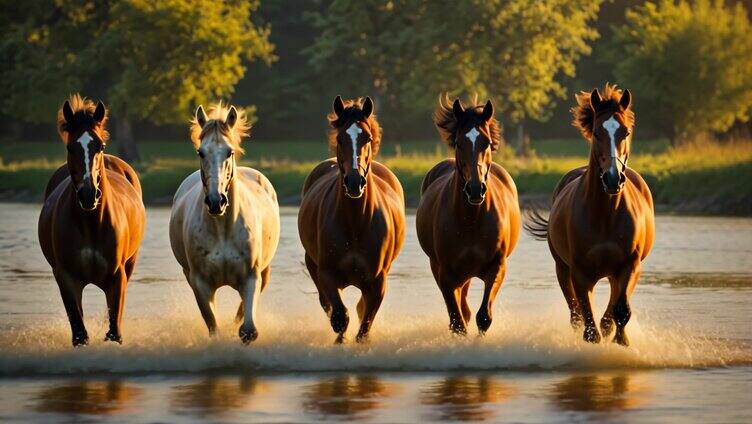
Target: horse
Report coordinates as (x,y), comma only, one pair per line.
(352,217)
(224,224)
(92,221)
(601,222)
(468,218)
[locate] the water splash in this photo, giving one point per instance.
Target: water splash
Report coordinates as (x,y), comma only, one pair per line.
(176,344)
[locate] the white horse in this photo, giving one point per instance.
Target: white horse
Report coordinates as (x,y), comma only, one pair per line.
(224,227)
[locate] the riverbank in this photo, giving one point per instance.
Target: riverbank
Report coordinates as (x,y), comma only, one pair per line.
(708,178)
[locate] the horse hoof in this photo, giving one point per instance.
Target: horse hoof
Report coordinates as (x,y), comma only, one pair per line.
(458,330)
(591,335)
(247,336)
(339,320)
(110,337)
(80,340)
(607,327)
(576,322)
(484,323)
(621,338)
(340,339)
(362,338)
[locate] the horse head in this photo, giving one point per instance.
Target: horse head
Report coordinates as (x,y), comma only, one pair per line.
(81,124)
(217,138)
(355,136)
(474,135)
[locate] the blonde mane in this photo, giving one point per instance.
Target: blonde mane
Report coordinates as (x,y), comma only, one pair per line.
(216,116)
(83,112)
(584,115)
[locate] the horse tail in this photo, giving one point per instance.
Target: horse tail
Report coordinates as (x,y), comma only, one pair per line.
(535,224)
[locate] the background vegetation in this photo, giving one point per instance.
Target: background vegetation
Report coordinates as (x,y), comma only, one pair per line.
(688,63)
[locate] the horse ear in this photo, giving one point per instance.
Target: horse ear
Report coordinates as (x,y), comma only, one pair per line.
(626,100)
(339,106)
(488,111)
(458,109)
(595,99)
(367,107)
(99,112)
(200,116)
(67,111)
(232,117)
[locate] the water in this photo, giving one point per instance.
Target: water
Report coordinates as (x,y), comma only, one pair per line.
(691,358)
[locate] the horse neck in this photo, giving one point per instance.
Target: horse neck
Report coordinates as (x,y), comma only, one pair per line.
(598,200)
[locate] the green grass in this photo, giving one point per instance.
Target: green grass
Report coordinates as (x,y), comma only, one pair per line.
(708,177)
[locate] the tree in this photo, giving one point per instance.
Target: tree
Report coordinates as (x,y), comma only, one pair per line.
(688,63)
(411,50)
(155,59)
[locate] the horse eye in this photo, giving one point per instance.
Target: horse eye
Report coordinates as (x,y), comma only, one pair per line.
(200,153)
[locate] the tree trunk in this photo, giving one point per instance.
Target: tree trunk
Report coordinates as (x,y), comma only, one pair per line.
(523,141)
(127,147)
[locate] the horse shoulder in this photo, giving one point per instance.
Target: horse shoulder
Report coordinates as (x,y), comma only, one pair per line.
(121,167)
(57,177)
(323,168)
(442,168)
(568,178)
(252,176)
(499,172)
(385,174)
(641,186)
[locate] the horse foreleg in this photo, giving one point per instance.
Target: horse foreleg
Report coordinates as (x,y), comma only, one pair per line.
(265,276)
(607,322)
(250,290)
(564,275)
(626,282)
(313,271)
(493,281)
(205,299)
(583,288)
(115,295)
(328,284)
(71,292)
(464,306)
(371,298)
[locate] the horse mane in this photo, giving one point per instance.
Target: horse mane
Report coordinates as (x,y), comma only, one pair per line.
(83,114)
(584,115)
(216,116)
(447,124)
(353,112)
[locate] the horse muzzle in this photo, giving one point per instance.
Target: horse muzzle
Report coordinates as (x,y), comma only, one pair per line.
(217,203)
(613,180)
(475,192)
(88,197)
(355,185)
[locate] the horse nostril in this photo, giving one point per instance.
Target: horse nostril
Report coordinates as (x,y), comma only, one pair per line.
(362,182)
(223,200)
(206,200)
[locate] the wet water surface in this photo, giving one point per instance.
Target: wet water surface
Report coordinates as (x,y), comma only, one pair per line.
(690,359)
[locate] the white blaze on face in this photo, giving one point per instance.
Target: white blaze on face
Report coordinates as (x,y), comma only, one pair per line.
(611,126)
(353,132)
(84,141)
(472,135)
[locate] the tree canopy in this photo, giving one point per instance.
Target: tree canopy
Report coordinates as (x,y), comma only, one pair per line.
(689,63)
(409,51)
(151,60)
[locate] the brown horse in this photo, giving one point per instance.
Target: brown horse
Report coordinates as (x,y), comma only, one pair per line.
(352,217)
(602,221)
(468,219)
(92,220)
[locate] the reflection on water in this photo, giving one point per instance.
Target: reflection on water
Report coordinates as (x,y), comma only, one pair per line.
(599,393)
(346,396)
(465,398)
(87,397)
(213,396)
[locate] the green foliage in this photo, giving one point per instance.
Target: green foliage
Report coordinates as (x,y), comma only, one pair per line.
(155,59)
(689,64)
(408,51)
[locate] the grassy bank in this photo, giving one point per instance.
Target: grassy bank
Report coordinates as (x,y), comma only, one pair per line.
(706,178)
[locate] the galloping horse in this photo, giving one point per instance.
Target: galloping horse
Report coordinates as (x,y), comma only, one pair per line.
(352,217)
(224,227)
(92,221)
(468,219)
(602,221)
